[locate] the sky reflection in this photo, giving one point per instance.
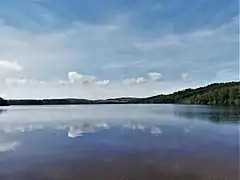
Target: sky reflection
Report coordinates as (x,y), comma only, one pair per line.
(64,139)
(80,121)
(9,146)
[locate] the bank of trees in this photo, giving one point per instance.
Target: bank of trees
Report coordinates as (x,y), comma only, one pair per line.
(227,94)
(3,102)
(214,94)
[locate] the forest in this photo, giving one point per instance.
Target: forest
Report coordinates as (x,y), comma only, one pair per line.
(213,94)
(226,94)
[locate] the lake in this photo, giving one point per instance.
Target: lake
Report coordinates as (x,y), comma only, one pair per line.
(119,142)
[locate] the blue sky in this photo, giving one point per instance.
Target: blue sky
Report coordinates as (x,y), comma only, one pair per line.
(105,48)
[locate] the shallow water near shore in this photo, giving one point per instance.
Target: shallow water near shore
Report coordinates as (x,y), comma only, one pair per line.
(118,142)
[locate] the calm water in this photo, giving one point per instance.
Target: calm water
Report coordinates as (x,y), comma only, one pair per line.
(119,142)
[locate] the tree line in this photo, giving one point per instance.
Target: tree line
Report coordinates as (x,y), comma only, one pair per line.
(227,94)
(213,94)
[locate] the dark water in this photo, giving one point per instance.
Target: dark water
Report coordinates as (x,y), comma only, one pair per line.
(119,142)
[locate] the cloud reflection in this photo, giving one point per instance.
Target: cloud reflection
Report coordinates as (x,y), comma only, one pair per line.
(78,129)
(150,129)
(9,146)
(155,131)
(2,111)
(21,128)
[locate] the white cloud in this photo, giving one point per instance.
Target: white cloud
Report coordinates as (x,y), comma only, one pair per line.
(16,81)
(132,81)
(152,77)
(74,77)
(200,52)
(68,47)
(113,50)
(23,81)
(63,82)
(155,76)
(10,66)
(104,82)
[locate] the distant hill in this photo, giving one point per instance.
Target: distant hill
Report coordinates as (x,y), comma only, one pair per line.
(3,102)
(214,94)
(48,101)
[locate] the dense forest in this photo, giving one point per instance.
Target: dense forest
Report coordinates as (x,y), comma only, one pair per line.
(213,94)
(227,94)
(3,102)
(48,101)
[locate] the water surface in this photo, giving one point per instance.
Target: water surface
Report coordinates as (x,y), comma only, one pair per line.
(118,142)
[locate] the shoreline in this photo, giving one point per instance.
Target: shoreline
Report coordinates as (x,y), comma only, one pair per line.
(220,94)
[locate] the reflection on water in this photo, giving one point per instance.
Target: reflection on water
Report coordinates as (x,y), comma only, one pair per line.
(2,111)
(118,142)
(214,114)
(9,146)
(76,130)
(80,130)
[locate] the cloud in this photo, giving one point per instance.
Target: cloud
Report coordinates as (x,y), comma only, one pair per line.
(69,47)
(186,77)
(75,77)
(155,76)
(200,52)
(16,81)
(99,47)
(23,81)
(152,77)
(10,66)
(97,50)
(104,82)
(131,81)
(9,146)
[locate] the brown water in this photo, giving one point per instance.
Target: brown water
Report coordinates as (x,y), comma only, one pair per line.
(119,142)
